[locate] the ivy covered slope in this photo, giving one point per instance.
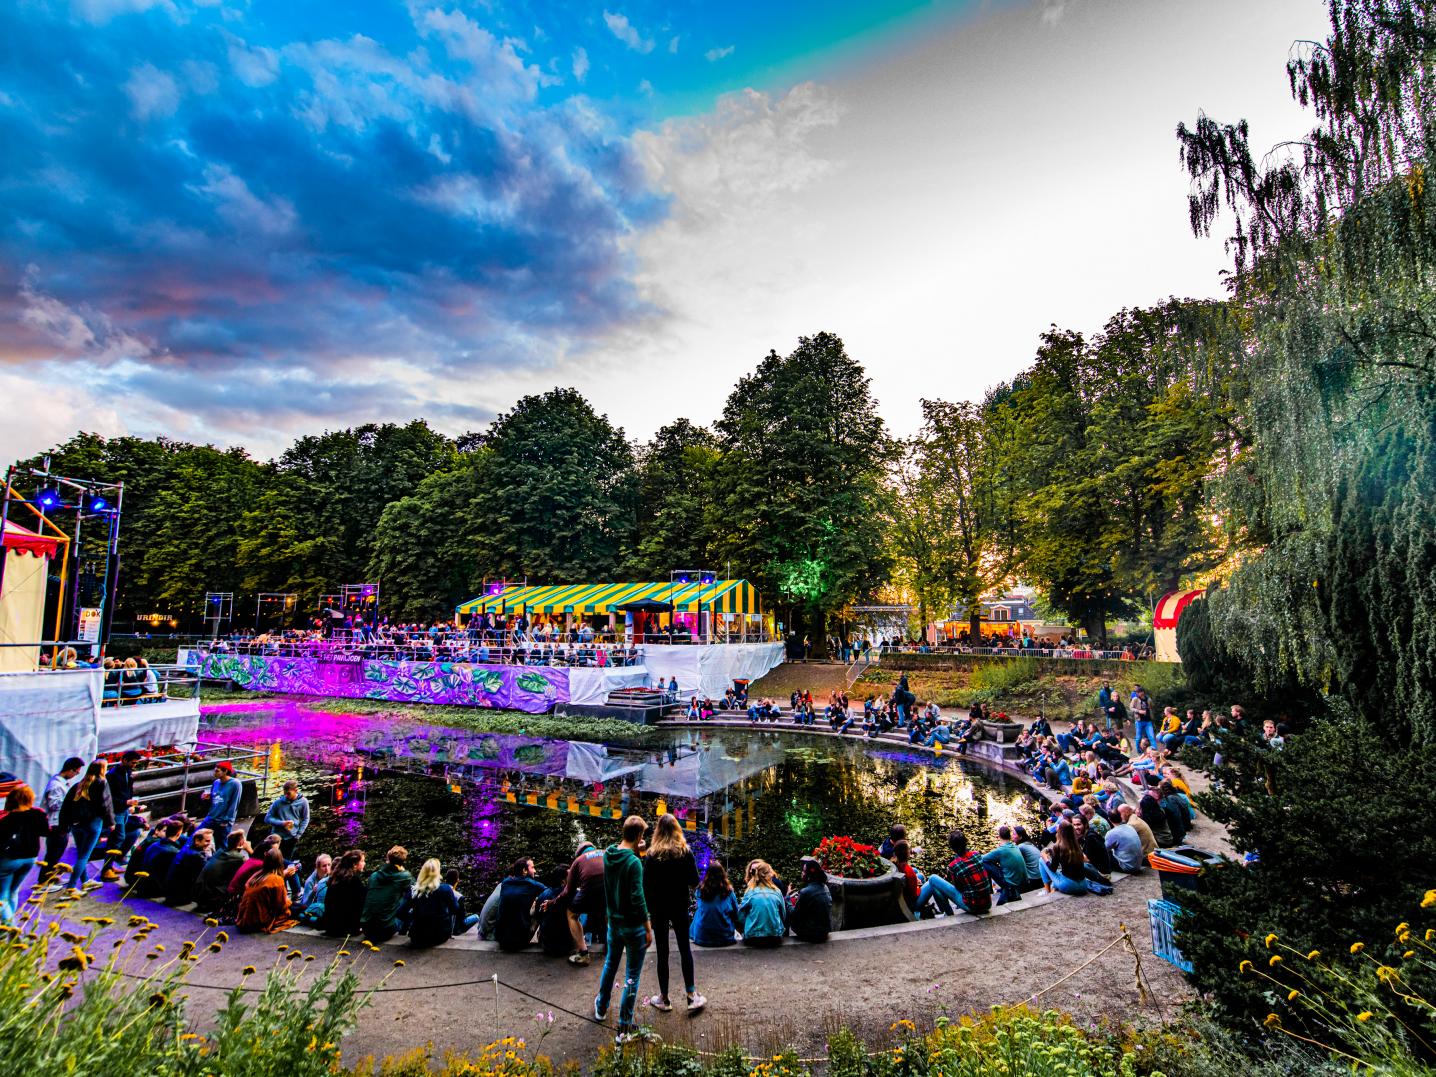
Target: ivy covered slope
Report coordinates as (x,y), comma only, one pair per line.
(1330,620)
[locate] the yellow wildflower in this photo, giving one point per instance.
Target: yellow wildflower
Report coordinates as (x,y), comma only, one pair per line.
(1403,926)
(1245,966)
(210,921)
(399,964)
(248,970)
(1429,900)
(1364,1016)
(1270,941)
(1313,955)
(1357,947)
(1291,996)
(1408,955)
(1272,1020)
(1275,960)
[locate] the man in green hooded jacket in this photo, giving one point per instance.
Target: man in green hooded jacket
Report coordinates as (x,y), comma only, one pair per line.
(630,932)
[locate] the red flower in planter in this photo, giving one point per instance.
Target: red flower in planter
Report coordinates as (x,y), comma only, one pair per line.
(849,859)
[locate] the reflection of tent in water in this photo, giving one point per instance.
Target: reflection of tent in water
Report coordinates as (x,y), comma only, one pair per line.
(688,772)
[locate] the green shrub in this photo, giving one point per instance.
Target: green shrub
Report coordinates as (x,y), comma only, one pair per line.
(1004,674)
(67,1010)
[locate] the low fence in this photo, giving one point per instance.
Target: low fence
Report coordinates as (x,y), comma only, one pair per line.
(1118,669)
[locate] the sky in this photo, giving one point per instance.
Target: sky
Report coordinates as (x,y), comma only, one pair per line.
(238,222)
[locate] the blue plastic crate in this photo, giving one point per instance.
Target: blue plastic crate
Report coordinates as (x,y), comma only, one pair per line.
(1163,917)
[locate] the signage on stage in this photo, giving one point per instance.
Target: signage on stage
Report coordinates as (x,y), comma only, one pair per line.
(90,618)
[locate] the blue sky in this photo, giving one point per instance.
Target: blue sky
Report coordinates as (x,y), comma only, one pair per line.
(237,221)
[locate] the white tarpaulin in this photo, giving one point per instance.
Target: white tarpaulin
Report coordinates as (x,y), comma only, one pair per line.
(593,685)
(22,609)
(143,725)
(44,719)
(709,670)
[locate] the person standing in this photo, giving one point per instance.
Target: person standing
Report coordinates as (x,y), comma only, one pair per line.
(51,801)
(669,877)
(288,817)
(630,933)
(87,813)
(127,828)
(223,797)
(1142,718)
(20,832)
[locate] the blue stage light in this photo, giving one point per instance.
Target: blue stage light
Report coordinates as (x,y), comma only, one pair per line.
(96,503)
(48,499)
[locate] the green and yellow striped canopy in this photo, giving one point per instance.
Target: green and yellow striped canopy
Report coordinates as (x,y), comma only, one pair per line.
(720,596)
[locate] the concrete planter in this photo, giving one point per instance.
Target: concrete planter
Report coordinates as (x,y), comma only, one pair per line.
(1002,732)
(867,902)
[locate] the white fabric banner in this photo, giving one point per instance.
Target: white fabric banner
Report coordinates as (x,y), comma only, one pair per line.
(44,719)
(142,725)
(593,685)
(710,669)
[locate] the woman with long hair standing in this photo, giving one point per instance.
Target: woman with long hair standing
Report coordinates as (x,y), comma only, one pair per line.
(20,833)
(88,812)
(669,876)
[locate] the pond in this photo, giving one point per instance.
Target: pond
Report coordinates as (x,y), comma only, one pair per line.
(479,801)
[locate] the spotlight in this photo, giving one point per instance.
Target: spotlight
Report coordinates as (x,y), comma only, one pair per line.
(96,504)
(707,581)
(682,579)
(48,499)
(497,587)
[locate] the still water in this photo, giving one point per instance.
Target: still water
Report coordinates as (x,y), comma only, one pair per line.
(479,801)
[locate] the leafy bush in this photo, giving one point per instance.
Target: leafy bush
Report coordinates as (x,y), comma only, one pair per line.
(1004,674)
(68,1011)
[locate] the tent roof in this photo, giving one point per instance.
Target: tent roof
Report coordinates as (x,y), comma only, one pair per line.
(720,596)
(1170,606)
(23,539)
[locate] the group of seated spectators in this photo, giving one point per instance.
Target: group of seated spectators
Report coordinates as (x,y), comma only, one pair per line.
(409,645)
(127,680)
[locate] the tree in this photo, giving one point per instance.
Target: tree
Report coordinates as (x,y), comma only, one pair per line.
(676,490)
(558,502)
(426,546)
(950,520)
(800,481)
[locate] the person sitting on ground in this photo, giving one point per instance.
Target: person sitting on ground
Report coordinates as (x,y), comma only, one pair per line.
(583,898)
(1094,849)
(184,873)
(211,890)
(1040,727)
(1007,864)
(554,937)
(716,920)
(264,906)
(159,858)
(344,897)
(968,877)
(1129,815)
(1149,807)
(896,833)
(763,911)
(1174,807)
(518,894)
(1063,865)
(811,918)
(311,892)
(1030,857)
(136,864)
(434,909)
(912,882)
(1124,847)
(386,905)
(250,866)
(1096,821)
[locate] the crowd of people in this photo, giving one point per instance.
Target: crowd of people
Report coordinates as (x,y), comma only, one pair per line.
(1115,805)
(128,681)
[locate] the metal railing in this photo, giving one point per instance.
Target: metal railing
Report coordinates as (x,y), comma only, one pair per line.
(452,651)
(1077,653)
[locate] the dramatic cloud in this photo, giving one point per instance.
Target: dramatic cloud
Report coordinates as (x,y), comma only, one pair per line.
(205,210)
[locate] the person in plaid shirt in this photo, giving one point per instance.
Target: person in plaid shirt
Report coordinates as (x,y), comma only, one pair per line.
(967,884)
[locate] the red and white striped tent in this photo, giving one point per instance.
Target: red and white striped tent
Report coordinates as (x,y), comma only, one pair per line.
(1164,622)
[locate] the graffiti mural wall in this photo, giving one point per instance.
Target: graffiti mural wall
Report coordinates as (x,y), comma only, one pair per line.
(523,688)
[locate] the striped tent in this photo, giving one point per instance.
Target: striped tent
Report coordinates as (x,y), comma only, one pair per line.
(720,596)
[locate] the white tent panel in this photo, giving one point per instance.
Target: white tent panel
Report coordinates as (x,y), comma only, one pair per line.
(46,718)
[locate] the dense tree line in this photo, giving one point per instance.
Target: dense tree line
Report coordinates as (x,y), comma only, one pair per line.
(1087,474)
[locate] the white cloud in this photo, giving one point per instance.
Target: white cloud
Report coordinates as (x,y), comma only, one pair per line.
(751,147)
(645,87)
(1053,11)
(580,63)
(76,332)
(717,54)
(253,65)
(626,32)
(673,45)
(152,93)
(242,208)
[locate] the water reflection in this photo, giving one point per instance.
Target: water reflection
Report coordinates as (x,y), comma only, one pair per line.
(480,801)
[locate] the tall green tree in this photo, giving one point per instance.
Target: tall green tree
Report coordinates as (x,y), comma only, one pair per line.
(803,455)
(950,519)
(676,492)
(427,545)
(558,505)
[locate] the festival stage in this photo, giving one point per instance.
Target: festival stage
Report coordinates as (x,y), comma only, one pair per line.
(699,669)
